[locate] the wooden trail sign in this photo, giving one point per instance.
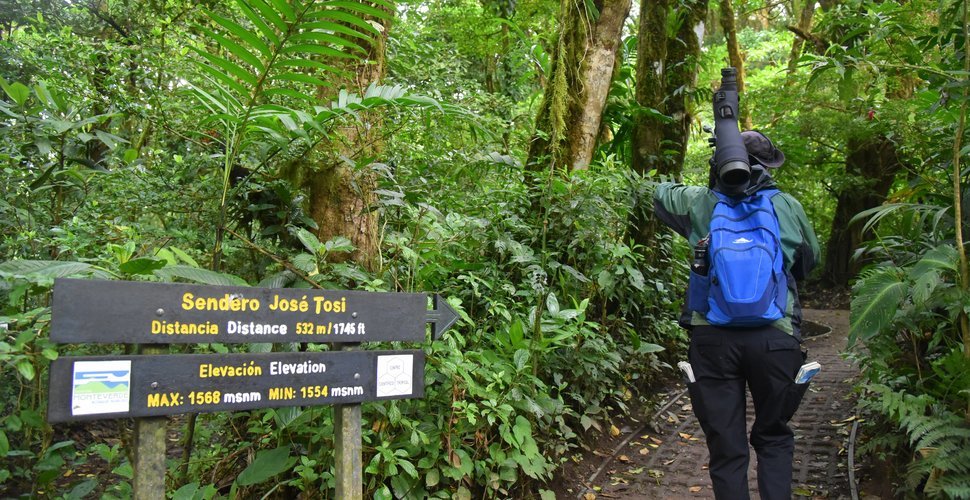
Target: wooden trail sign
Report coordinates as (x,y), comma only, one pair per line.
(96,311)
(97,387)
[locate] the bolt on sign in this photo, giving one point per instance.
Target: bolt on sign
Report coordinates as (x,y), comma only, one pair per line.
(98,387)
(95,311)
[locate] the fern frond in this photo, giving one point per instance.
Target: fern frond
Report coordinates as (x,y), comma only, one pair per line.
(877,296)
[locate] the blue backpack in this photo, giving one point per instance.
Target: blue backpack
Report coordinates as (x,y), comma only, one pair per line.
(746,284)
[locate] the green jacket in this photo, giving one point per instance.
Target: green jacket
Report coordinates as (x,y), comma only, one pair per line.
(687,210)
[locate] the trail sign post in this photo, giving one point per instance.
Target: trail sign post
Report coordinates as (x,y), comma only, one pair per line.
(92,387)
(94,311)
(149,386)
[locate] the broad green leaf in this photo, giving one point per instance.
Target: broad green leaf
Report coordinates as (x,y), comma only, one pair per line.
(339,244)
(267,464)
(943,257)
(16,91)
(309,240)
(647,348)
(521,359)
(552,304)
(143,265)
(184,256)
(278,280)
(4,444)
(877,298)
(306,263)
(25,368)
(432,477)
(203,276)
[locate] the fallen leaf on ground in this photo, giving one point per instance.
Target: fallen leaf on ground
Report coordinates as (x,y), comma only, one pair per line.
(644,451)
(623,458)
(684,435)
(614,431)
(695,489)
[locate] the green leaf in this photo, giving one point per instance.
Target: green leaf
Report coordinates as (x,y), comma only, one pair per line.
(360,7)
(432,478)
(237,50)
(26,369)
(647,348)
(16,91)
(4,444)
(269,15)
(267,464)
(143,265)
(243,34)
(203,276)
(184,256)
(943,257)
(344,17)
(232,68)
(521,359)
(82,489)
(50,268)
(552,304)
(309,240)
(339,244)
(877,298)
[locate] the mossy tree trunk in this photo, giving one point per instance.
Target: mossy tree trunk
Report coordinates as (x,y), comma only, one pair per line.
(666,73)
(683,53)
(583,60)
(873,162)
(651,89)
(341,182)
(805,26)
(736,59)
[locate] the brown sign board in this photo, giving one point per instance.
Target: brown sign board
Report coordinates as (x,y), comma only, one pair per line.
(101,387)
(99,311)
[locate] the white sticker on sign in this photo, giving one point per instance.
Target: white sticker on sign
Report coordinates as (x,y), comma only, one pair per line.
(101,387)
(395,375)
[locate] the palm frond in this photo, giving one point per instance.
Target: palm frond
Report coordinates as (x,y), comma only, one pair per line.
(877,296)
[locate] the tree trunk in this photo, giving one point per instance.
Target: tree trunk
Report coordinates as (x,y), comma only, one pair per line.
(683,55)
(342,193)
(736,59)
(569,118)
(874,163)
(805,25)
(651,87)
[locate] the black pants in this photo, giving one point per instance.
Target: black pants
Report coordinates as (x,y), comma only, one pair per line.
(766,360)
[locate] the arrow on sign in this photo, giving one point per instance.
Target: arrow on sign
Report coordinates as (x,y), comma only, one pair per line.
(441,317)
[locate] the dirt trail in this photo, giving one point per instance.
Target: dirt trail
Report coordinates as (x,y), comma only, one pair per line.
(668,458)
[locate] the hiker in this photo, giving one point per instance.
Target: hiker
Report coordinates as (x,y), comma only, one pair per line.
(734,343)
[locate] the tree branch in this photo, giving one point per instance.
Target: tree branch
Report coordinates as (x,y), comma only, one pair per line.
(820,45)
(289,267)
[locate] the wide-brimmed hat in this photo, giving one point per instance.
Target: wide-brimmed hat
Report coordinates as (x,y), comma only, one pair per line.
(760,148)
